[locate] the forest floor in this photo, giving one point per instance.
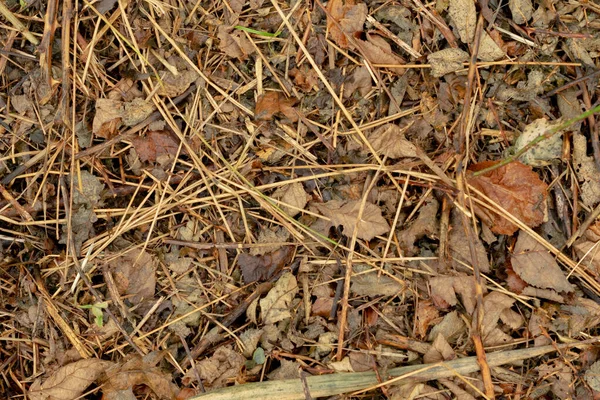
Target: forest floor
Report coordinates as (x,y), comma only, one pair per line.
(221,199)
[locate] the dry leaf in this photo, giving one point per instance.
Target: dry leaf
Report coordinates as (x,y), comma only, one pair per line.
(592,376)
(374,283)
(294,195)
(425,315)
(588,249)
(350,18)
(264,267)
(494,305)
(273,103)
(536,266)
(275,306)
(517,189)
(426,224)
(489,49)
(460,250)
(378,51)
(389,140)
(156,144)
(464,17)
(439,351)
(135,275)
(108,117)
(271,241)
(343,213)
(306,78)
(121,379)
(446,61)
(545,151)
(586,171)
(234,44)
(451,327)
(445,288)
(70,381)
(521,10)
(172,85)
(360,80)
(136,110)
(218,370)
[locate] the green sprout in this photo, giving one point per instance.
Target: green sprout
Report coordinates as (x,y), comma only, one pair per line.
(97,311)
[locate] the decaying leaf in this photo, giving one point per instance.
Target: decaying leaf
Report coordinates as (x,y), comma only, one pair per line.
(155,144)
(171,85)
(378,51)
(374,283)
(445,61)
(521,10)
(517,189)
(389,140)
(271,240)
(425,315)
(120,380)
(273,103)
(294,195)
(545,151)
(464,16)
(234,44)
(536,266)
(346,17)
(275,306)
(136,110)
(588,248)
(586,171)
(460,249)
(108,117)
(135,275)
(360,80)
(426,224)
(494,305)
(70,381)
(489,49)
(262,268)
(445,288)
(346,213)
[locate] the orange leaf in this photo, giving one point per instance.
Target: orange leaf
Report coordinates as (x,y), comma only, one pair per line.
(345,19)
(517,189)
(272,103)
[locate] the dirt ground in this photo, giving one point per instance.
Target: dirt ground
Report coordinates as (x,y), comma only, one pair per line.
(226,199)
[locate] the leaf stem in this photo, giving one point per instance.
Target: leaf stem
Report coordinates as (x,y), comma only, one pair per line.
(535,141)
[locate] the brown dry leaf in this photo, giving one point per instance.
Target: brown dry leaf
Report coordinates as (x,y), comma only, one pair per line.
(156,144)
(560,376)
(108,117)
(360,80)
(271,241)
(446,61)
(439,351)
(216,371)
(451,327)
(588,249)
(345,213)
(586,171)
(235,44)
(173,85)
(464,16)
(275,306)
(294,195)
(264,267)
(521,10)
(426,224)
(445,288)
(536,266)
(517,189)
(273,103)
(389,140)
(135,275)
(350,18)
(494,305)
(378,51)
(136,110)
(425,315)
(69,381)
(322,306)
(121,379)
(374,283)
(306,78)
(489,49)
(460,250)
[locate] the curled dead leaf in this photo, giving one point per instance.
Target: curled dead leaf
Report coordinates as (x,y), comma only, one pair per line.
(346,214)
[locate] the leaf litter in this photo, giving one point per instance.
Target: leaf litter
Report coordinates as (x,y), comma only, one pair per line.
(221,196)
